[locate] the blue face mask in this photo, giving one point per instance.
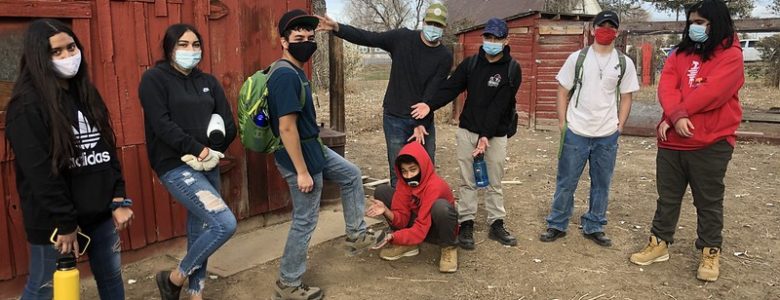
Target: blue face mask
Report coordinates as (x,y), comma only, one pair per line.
(432,33)
(187,59)
(698,33)
(492,48)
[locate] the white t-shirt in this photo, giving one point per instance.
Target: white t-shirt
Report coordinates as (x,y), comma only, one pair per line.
(595,114)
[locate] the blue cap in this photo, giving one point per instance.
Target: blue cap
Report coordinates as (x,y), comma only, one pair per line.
(496,27)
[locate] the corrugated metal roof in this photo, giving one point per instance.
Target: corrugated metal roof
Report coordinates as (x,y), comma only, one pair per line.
(479,11)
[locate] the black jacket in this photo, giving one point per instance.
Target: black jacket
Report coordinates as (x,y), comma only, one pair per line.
(417,70)
(490,103)
(79,195)
(177,111)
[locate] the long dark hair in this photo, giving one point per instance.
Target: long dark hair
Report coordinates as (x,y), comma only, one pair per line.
(721,29)
(172,35)
(37,77)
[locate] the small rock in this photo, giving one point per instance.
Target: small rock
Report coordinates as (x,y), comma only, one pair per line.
(637,227)
(641,270)
(213,277)
(536,260)
(666,283)
(131,281)
(770,204)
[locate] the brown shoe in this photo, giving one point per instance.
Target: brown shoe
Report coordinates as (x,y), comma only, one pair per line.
(448,263)
(394,252)
(655,251)
(709,265)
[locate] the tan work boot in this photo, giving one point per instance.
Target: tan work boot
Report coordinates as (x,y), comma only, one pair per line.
(709,265)
(448,262)
(655,251)
(394,252)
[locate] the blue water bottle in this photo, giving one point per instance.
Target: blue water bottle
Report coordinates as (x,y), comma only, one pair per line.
(261,119)
(480,171)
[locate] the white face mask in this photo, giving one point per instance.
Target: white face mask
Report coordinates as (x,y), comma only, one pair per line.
(66,68)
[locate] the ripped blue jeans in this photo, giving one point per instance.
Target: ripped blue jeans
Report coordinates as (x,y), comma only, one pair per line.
(210,223)
(104,261)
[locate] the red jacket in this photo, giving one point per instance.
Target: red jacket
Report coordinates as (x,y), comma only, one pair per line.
(419,200)
(705,92)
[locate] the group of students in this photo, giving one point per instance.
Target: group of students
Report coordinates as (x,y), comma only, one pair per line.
(70,181)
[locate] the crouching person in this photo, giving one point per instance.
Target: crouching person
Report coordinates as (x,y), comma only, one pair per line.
(421,208)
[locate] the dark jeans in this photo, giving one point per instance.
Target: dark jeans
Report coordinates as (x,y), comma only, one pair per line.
(397,131)
(104,261)
(703,170)
(444,218)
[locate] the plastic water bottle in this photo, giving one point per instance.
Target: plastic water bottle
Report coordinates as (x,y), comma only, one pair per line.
(480,171)
(66,279)
(261,119)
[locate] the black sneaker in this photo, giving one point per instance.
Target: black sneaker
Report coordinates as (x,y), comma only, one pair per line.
(551,235)
(499,233)
(168,290)
(466,235)
(599,238)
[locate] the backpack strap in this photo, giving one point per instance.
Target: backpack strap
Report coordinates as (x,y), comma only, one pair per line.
(578,75)
(286,64)
(513,72)
(622,64)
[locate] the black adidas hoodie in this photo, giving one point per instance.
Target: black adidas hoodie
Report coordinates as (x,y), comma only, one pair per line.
(81,194)
(177,111)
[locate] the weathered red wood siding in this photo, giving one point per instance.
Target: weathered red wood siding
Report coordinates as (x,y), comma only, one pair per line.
(121,40)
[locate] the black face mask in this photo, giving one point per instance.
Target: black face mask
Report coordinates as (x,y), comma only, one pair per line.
(302,51)
(414,181)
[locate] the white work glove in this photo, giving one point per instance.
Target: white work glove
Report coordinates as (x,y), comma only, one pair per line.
(193,162)
(212,160)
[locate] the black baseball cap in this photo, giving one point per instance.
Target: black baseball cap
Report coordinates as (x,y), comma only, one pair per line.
(606,16)
(296,17)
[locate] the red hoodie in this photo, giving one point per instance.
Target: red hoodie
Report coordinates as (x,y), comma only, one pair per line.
(705,92)
(419,200)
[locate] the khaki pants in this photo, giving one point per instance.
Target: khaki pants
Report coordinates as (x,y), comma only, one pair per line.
(495,156)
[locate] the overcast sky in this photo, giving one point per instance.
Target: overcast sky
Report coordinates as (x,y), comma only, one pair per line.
(336,10)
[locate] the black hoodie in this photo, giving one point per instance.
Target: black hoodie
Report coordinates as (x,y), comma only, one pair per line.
(80,194)
(417,70)
(489,106)
(177,111)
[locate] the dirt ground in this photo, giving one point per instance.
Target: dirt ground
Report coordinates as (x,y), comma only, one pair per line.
(571,268)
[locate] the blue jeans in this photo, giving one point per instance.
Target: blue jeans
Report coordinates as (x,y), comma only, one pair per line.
(600,152)
(104,261)
(305,211)
(397,131)
(210,223)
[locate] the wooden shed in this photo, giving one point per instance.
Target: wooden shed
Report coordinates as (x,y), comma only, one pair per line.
(540,42)
(121,40)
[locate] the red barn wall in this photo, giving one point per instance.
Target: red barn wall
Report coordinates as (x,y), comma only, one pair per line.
(121,40)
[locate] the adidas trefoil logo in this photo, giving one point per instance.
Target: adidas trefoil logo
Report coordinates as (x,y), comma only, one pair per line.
(87,137)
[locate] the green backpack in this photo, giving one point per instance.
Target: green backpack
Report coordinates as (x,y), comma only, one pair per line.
(253,100)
